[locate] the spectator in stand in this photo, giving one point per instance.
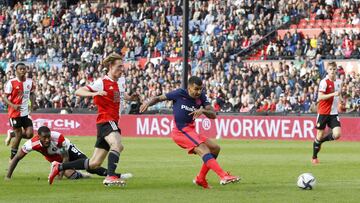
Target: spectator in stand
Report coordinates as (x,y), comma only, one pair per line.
(64,49)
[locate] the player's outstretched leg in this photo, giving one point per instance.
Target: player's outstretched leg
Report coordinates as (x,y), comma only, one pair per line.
(225,177)
(228,178)
(101,171)
(200,179)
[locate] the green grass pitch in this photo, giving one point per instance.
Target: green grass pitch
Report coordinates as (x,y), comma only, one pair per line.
(163,173)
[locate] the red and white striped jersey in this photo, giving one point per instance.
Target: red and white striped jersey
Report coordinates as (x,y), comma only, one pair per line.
(329,106)
(108,105)
(18,92)
(51,153)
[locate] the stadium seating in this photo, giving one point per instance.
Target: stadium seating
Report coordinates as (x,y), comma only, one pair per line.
(63,48)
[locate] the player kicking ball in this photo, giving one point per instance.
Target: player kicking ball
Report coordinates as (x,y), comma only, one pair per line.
(55,147)
(189,104)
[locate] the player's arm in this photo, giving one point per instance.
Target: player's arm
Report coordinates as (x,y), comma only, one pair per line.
(86,92)
(208,111)
(32,98)
(64,154)
(153,101)
(65,158)
(13,163)
(32,101)
(9,103)
(323,96)
(341,99)
(7,91)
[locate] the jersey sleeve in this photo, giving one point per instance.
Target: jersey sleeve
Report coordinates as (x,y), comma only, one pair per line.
(63,142)
(27,147)
(204,99)
(322,86)
(8,88)
(96,86)
(173,95)
(66,144)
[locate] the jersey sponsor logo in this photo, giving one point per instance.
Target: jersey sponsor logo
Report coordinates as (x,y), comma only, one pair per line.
(188,108)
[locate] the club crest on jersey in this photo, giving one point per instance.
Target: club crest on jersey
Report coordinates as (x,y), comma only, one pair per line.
(17,87)
(111,88)
(198,101)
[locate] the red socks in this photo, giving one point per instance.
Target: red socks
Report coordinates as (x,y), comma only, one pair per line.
(211,163)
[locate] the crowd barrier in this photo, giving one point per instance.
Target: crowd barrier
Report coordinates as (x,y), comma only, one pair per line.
(224,127)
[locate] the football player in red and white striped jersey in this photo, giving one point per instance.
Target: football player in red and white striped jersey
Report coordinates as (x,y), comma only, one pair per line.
(107,93)
(328,97)
(19,93)
(55,147)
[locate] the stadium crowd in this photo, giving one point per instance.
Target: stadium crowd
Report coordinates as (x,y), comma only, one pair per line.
(330,44)
(63,48)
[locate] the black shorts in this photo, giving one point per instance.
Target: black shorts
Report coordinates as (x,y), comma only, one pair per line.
(75,153)
(331,121)
(19,122)
(103,130)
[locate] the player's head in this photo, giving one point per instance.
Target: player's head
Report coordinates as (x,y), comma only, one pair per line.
(114,63)
(20,69)
(195,86)
(44,135)
(331,70)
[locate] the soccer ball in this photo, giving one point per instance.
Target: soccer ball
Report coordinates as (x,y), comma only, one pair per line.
(306,181)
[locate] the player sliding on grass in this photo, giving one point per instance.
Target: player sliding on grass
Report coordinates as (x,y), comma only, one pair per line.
(107,93)
(187,106)
(55,147)
(329,96)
